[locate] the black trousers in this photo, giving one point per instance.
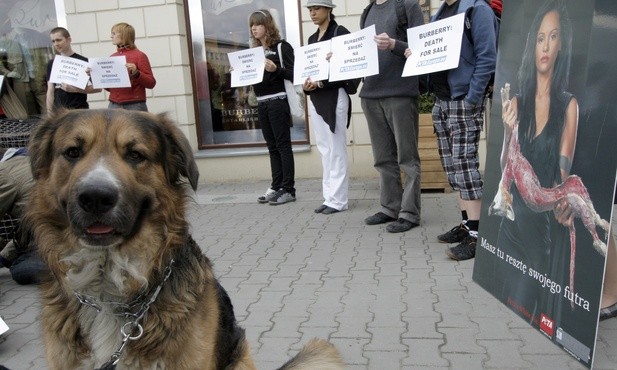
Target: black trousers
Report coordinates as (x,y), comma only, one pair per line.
(275,121)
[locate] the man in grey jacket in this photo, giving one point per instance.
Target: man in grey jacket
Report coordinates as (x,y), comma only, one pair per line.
(390,104)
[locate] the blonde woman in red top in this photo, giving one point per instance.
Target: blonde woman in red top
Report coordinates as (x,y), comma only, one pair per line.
(138,65)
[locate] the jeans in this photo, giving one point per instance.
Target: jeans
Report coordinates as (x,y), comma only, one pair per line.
(275,121)
(28,269)
(140,106)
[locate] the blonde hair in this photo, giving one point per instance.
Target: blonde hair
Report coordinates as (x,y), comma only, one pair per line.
(264,18)
(127,34)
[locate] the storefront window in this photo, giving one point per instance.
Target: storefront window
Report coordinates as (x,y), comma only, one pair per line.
(25,50)
(226,116)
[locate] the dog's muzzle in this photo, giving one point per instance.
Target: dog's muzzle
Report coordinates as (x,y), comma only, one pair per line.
(96,213)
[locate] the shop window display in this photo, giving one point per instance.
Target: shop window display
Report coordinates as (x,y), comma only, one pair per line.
(227,116)
(25,50)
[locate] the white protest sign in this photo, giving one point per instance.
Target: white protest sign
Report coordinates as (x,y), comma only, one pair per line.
(1,83)
(354,55)
(247,66)
(3,326)
(435,46)
(70,71)
(109,72)
(310,61)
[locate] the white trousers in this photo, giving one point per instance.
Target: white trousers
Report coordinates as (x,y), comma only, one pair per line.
(333,150)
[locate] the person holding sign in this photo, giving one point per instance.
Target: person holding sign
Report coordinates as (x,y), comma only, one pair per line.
(62,94)
(138,66)
(273,109)
(329,107)
(390,104)
(458,116)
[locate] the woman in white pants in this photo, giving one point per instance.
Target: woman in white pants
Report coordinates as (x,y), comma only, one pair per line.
(329,108)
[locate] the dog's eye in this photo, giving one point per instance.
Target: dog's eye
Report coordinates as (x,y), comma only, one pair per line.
(134,156)
(72,153)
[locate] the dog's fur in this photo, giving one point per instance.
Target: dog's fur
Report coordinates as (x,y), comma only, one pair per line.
(108,215)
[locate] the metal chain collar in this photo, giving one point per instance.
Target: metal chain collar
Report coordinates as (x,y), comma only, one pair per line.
(132,329)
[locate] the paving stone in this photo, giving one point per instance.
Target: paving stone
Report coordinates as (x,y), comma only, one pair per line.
(386,301)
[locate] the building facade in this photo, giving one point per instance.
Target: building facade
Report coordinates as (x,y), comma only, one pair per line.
(186,42)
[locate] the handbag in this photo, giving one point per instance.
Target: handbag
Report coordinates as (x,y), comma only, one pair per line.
(295,94)
(252,98)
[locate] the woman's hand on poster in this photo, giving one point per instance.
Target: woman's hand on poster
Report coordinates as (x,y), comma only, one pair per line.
(407,53)
(328,56)
(270,66)
(509,115)
(563,213)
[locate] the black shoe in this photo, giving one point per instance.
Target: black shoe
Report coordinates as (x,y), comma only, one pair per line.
(608,312)
(321,208)
(378,218)
(329,210)
(455,235)
(401,225)
(463,251)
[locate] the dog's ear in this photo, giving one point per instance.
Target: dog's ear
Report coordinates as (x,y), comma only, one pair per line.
(41,140)
(182,161)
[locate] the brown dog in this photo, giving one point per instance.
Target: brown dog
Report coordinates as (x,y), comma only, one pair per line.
(129,287)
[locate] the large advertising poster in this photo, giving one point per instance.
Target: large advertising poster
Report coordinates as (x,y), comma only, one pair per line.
(551,154)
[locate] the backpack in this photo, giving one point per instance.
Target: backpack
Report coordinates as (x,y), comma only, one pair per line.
(401,13)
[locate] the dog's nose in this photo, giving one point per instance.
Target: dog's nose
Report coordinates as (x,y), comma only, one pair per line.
(97,199)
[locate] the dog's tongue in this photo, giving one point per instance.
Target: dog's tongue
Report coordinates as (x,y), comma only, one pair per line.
(99,229)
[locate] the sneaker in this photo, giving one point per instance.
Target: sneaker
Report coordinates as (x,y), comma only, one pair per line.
(463,251)
(268,196)
(455,235)
(400,226)
(378,218)
(282,197)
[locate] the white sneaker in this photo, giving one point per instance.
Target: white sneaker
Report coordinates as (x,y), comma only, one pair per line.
(268,196)
(282,197)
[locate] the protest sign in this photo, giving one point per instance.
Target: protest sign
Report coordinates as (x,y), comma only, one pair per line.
(435,46)
(69,70)
(354,55)
(247,66)
(310,61)
(109,72)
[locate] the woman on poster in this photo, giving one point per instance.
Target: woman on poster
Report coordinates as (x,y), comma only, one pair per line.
(547,118)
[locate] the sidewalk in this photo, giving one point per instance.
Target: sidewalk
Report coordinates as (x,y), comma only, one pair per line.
(387,301)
